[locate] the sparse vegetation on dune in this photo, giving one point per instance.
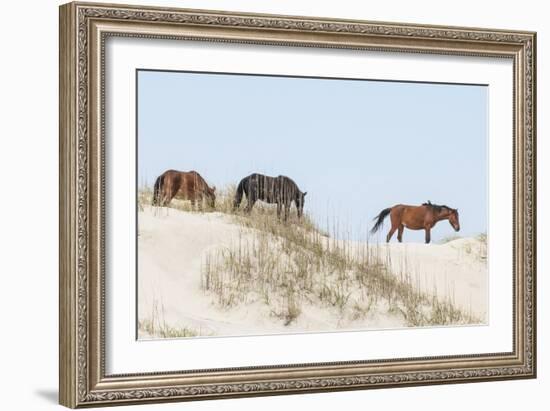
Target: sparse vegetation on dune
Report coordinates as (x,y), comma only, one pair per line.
(482,238)
(144,197)
(449,238)
(285,265)
(288,266)
(476,246)
(156,326)
(151,328)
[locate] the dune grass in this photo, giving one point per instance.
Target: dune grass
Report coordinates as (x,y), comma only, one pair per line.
(482,238)
(288,265)
(156,326)
(285,265)
(449,238)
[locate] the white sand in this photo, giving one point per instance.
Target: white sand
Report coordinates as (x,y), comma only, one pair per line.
(456,270)
(172,245)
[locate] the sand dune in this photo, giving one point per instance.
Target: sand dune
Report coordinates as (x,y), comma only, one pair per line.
(456,270)
(173,245)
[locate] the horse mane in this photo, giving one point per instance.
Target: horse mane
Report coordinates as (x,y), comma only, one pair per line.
(437,207)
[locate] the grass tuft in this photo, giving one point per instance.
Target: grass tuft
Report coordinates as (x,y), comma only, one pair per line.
(156,326)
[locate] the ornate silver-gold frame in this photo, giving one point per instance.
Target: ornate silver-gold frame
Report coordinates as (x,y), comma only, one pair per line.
(83,30)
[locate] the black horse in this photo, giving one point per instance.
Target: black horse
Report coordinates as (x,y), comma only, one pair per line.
(280,190)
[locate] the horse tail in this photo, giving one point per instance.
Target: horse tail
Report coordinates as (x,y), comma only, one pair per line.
(380,220)
(156,190)
(239,194)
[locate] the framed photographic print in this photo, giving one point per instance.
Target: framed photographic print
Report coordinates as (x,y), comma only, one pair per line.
(259,204)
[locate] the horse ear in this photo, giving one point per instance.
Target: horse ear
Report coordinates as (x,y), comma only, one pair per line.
(305,193)
(213,188)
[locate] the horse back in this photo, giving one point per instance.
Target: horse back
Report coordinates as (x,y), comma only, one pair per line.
(186,184)
(194,183)
(411,215)
(170,181)
(270,189)
(260,187)
(288,189)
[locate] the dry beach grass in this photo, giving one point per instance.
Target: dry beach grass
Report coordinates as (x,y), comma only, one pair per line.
(263,275)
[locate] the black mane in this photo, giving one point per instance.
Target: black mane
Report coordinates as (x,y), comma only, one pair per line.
(437,207)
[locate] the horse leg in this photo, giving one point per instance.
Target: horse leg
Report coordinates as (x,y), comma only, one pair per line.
(287,211)
(163,196)
(395,219)
(202,202)
(400,233)
(428,236)
(250,205)
(390,233)
(162,199)
(167,197)
(279,209)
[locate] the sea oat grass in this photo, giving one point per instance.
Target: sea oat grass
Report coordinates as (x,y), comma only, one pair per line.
(284,264)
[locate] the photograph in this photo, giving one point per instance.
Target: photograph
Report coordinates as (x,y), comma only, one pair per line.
(260,203)
(270,204)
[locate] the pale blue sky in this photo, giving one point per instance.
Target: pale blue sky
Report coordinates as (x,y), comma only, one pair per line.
(356,146)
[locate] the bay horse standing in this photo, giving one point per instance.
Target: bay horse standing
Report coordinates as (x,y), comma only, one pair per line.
(420,217)
(280,190)
(185,185)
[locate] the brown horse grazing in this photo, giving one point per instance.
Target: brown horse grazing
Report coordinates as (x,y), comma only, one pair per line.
(183,185)
(416,218)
